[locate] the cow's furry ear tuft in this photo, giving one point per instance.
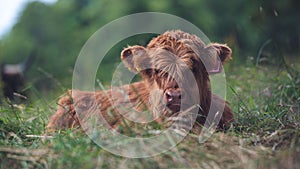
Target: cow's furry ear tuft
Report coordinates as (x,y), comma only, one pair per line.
(136,59)
(218,54)
(131,56)
(223,50)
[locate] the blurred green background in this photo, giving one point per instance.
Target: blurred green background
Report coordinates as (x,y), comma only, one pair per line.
(259,32)
(263,83)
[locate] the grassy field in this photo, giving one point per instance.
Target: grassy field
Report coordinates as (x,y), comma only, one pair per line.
(266,101)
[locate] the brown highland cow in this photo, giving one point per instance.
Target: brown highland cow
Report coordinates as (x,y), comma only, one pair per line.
(175,68)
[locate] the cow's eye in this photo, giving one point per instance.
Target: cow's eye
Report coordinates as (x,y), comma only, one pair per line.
(148,72)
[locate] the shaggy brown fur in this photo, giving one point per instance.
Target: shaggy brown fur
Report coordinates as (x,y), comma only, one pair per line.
(167,89)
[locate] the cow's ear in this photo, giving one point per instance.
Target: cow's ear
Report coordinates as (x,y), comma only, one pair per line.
(223,51)
(135,58)
(218,54)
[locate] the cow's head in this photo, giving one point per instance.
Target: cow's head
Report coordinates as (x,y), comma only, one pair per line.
(175,66)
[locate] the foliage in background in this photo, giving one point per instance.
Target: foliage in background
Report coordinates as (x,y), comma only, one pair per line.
(57,32)
(263,83)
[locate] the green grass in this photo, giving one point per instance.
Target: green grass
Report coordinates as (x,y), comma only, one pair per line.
(266,135)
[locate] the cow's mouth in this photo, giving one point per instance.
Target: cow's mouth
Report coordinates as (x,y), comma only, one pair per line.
(174,107)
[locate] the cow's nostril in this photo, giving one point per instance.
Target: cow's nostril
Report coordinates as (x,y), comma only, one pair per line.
(173,96)
(169,96)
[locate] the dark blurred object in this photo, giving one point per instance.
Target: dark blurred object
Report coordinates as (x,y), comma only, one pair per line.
(12,76)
